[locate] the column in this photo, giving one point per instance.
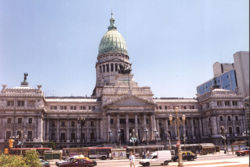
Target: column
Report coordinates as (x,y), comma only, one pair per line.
(117,126)
(145,126)
(108,128)
(47,129)
(127,128)
(97,130)
(68,131)
(87,131)
(200,127)
(40,129)
(214,126)
(57,130)
(136,125)
(233,128)
(192,128)
(152,127)
(78,133)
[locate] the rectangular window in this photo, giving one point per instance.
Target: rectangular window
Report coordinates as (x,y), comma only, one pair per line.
(72,107)
(100,69)
(10,103)
(30,120)
(89,107)
(103,68)
(235,103)
(219,103)
(31,103)
(63,124)
(8,134)
(92,123)
(9,120)
(160,107)
(227,103)
(166,107)
(116,67)
(83,108)
(93,107)
(72,124)
(53,107)
(111,121)
(20,103)
(19,120)
(29,135)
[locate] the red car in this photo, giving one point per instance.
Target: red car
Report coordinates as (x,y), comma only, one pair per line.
(243,152)
(78,163)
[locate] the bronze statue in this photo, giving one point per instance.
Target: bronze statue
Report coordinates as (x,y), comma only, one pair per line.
(124,69)
(25,77)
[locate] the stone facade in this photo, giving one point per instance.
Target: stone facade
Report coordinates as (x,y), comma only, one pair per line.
(118,109)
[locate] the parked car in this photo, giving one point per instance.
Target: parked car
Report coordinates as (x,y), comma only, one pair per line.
(44,163)
(242,152)
(78,163)
(186,155)
(157,158)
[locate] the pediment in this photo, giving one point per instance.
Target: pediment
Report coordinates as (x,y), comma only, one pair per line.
(127,101)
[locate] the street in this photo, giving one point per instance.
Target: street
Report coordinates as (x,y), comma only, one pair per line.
(212,160)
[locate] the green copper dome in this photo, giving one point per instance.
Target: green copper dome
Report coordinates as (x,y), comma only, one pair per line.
(112,41)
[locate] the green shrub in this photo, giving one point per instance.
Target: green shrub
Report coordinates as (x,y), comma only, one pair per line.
(12,161)
(31,158)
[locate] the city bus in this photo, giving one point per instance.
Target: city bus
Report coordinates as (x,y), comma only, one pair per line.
(19,151)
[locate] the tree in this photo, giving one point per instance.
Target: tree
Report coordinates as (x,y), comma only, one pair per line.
(12,161)
(31,159)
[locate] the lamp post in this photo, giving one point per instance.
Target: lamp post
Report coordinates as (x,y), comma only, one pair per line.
(156,135)
(133,139)
(146,132)
(223,136)
(180,162)
(119,136)
(184,129)
(81,120)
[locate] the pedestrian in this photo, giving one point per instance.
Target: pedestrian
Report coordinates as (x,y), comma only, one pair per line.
(132,159)
(147,154)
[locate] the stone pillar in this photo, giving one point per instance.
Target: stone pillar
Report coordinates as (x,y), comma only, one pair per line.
(47,129)
(200,127)
(152,127)
(97,130)
(87,131)
(145,126)
(233,128)
(40,129)
(57,131)
(117,126)
(127,128)
(136,125)
(192,128)
(214,126)
(68,131)
(108,128)
(78,131)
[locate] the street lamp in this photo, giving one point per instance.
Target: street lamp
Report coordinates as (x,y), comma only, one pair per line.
(146,131)
(119,136)
(180,162)
(81,120)
(169,137)
(156,135)
(133,139)
(184,129)
(110,134)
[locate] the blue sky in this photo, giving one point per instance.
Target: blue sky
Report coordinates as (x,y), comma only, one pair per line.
(172,44)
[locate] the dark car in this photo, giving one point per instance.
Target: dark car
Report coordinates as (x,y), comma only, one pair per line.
(78,163)
(187,155)
(242,152)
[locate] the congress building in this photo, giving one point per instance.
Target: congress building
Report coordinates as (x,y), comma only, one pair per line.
(118,109)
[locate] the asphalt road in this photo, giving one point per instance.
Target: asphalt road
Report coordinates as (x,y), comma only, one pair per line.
(201,160)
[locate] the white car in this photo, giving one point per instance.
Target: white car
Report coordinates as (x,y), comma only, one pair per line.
(157,158)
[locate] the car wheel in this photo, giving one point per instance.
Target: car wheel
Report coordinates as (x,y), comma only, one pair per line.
(243,154)
(104,158)
(165,163)
(147,164)
(192,158)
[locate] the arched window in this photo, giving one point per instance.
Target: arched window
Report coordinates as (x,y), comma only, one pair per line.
(221,118)
(103,68)
(230,130)
(236,118)
(107,66)
(229,118)
(112,67)
(116,67)
(238,130)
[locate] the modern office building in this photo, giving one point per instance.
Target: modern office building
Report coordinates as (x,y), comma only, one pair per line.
(118,109)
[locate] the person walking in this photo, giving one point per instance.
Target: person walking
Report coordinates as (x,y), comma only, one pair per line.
(132,159)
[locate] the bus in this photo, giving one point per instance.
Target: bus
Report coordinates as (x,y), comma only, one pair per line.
(201,148)
(91,152)
(21,151)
